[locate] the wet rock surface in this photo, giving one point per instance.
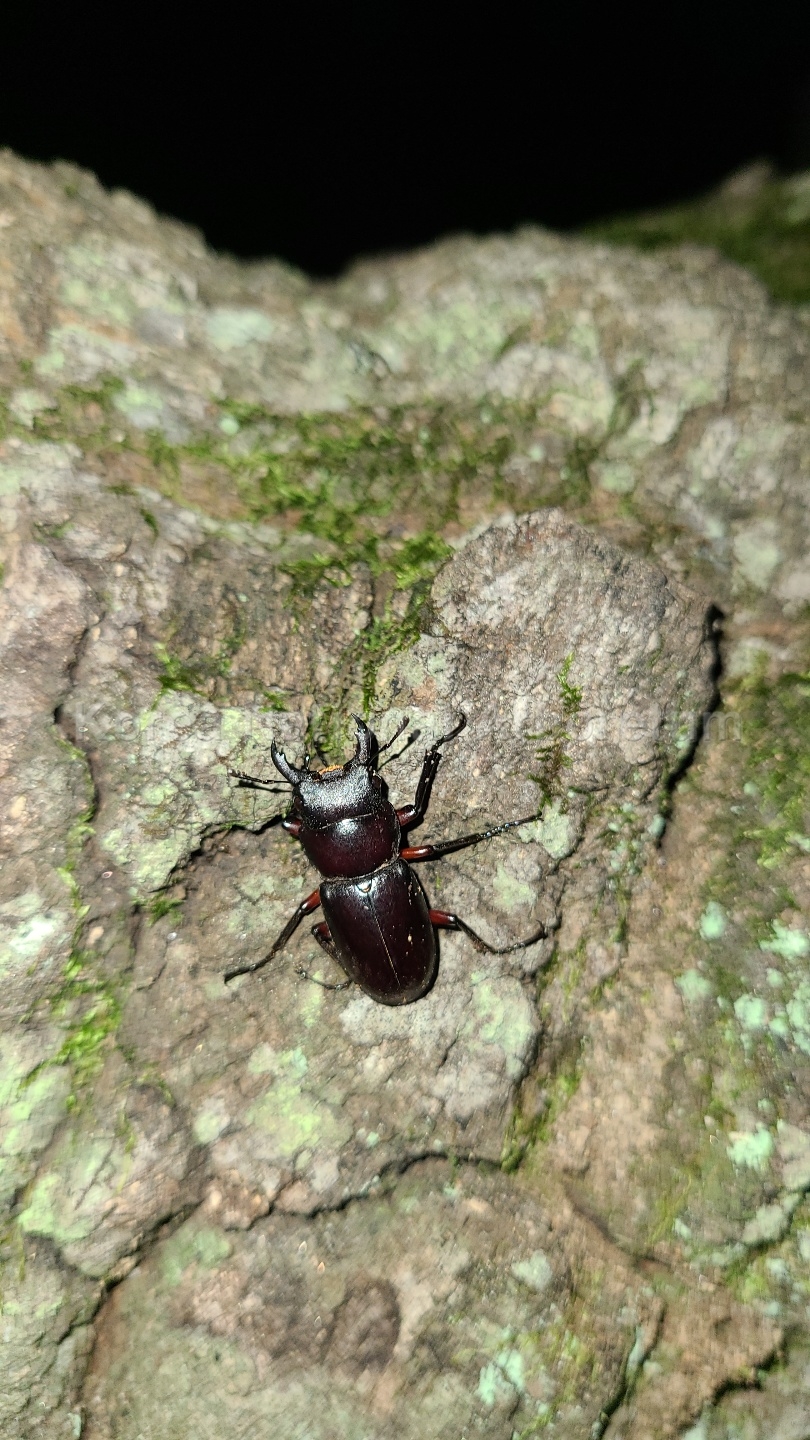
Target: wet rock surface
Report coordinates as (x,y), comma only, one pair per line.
(513,479)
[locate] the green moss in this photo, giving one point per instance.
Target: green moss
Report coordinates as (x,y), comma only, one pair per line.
(746,895)
(345,482)
(89,1007)
(355,682)
(370,489)
(776,721)
(52,532)
(345,477)
(81,414)
(714,1179)
(752,1283)
(163,905)
(570,695)
(85,1003)
(366,488)
(164,456)
(81,827)
(530,1132)
(197,675)
(551,750)
(761,1013)
(670,1199)
(83,1047)
(177,674)
(764,226)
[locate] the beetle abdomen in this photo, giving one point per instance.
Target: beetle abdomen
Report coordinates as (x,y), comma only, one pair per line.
(382,932)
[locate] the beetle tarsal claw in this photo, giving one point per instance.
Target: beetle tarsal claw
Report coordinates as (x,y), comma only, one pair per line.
(457,729)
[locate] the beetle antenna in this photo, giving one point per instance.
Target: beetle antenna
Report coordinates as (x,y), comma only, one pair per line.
(257,782)
(247,783)
(405,723)
(411,740)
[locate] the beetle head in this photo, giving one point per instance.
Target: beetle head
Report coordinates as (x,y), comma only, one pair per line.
(340,792)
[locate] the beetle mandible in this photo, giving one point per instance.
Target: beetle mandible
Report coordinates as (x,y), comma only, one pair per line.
(378,925)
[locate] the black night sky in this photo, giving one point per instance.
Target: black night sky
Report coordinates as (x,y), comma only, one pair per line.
(322,132)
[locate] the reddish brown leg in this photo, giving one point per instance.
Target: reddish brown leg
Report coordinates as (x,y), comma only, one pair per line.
(443,920)
(305,908)
(323,935)
(430,852)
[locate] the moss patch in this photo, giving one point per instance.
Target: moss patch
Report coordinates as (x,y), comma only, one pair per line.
(551,745)
(776,722)
(763,224)
(87,1005)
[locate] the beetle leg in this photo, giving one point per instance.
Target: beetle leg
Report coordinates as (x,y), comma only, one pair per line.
(323,936)
(412,814)
(305,908)
(443,920)
(444,847)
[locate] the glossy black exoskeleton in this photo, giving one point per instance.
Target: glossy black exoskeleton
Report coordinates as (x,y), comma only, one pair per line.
(378,925)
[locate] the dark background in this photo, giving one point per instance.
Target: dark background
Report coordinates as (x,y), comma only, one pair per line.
(318,133)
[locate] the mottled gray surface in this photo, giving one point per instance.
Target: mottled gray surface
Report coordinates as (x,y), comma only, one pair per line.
(325,1327)
(293,1197)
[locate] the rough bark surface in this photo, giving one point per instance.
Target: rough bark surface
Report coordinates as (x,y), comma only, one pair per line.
(559,488)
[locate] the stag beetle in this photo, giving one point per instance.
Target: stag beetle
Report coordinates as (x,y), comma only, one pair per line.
(378,925)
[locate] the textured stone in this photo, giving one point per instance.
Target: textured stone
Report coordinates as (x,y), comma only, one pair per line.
(403,1314)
